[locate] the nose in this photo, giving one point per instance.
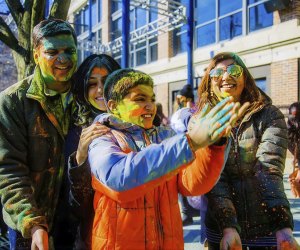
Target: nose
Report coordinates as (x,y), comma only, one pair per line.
(100,89)
(225,75)
(62,58)
(150,106)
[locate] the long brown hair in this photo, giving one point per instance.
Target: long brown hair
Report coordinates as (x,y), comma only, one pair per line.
(250,93)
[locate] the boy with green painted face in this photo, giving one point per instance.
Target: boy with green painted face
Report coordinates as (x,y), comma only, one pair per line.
(138,169)
(35,115)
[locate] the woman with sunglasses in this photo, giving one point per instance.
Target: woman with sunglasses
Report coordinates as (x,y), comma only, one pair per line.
(248,208)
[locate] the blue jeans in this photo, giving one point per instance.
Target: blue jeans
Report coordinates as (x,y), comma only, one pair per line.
(17,242)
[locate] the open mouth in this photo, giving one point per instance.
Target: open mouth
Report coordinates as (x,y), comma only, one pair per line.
(62,67)
(228,86)
(99,99)
(147,116)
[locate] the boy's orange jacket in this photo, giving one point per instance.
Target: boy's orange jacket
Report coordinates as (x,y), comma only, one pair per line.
(134,210)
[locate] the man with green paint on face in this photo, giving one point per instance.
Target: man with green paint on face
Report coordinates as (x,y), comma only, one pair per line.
(35,115)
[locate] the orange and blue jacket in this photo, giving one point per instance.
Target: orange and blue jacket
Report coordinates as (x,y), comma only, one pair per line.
(137,175)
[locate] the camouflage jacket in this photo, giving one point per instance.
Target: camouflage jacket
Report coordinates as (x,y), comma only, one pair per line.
(32,137)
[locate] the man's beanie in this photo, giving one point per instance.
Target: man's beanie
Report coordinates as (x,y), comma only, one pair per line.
(187,91)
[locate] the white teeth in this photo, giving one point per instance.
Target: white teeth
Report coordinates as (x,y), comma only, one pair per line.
(99,98)
(147,116)
(62,68)
(228,86)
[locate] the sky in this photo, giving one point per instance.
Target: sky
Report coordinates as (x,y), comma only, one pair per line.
(3,6)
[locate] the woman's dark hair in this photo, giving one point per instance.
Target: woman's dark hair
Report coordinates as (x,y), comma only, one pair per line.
(294,109)
(85,111)
(251,92)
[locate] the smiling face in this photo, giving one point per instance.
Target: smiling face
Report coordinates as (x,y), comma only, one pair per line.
(137,107)
(227,85)
(95,90)
(57,59)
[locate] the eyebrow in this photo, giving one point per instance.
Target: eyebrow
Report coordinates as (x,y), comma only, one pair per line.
(102,77)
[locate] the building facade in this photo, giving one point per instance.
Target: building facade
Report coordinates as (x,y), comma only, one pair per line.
(266,34)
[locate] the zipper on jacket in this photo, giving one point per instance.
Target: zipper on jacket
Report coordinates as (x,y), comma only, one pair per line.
(158,222)
(238,164)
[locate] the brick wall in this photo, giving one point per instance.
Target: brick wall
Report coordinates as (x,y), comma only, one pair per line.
(161,95)
(284,82)
(293,12)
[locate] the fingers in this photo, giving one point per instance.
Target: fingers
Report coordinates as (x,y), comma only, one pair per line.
(220,119)
(204,111)
(216,135)
(220,106)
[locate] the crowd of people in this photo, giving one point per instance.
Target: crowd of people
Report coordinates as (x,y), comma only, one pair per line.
(88,160)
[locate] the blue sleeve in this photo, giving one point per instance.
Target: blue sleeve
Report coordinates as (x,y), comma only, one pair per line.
(123,171)
(180,120)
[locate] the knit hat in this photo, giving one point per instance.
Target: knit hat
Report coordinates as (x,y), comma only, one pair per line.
(187,91)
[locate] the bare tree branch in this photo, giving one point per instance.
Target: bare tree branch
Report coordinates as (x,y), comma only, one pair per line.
(38,12)
(8,38)
(16,10)
(59,9)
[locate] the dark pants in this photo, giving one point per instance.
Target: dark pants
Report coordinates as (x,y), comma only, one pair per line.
(216,246)
(17,242)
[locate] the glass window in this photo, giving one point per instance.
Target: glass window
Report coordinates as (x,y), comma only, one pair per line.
(141,17)
(117,56)
(141,57)
(261,83)
(180,36)
(153,53)
(206,10)
(94,13)
(231,26)
(206,34)
(116,5)
(116,28)
(253,1)
(86,18)
(180,40)
(132,20)
(226,18)
(78,24)
(153,10)
(229,6)
(259,18)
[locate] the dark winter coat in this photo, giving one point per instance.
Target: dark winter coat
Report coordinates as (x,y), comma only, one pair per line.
(250,194)
(33,128)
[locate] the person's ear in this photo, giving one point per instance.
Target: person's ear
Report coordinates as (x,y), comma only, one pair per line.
(36,56)
(112,105)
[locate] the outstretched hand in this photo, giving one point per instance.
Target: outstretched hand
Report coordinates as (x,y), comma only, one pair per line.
(209,126)
(87,136)
(238,113)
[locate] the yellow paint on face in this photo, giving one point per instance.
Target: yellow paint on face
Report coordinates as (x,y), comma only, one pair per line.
(227,85)
(57,59)
(138,106)
(95,89)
